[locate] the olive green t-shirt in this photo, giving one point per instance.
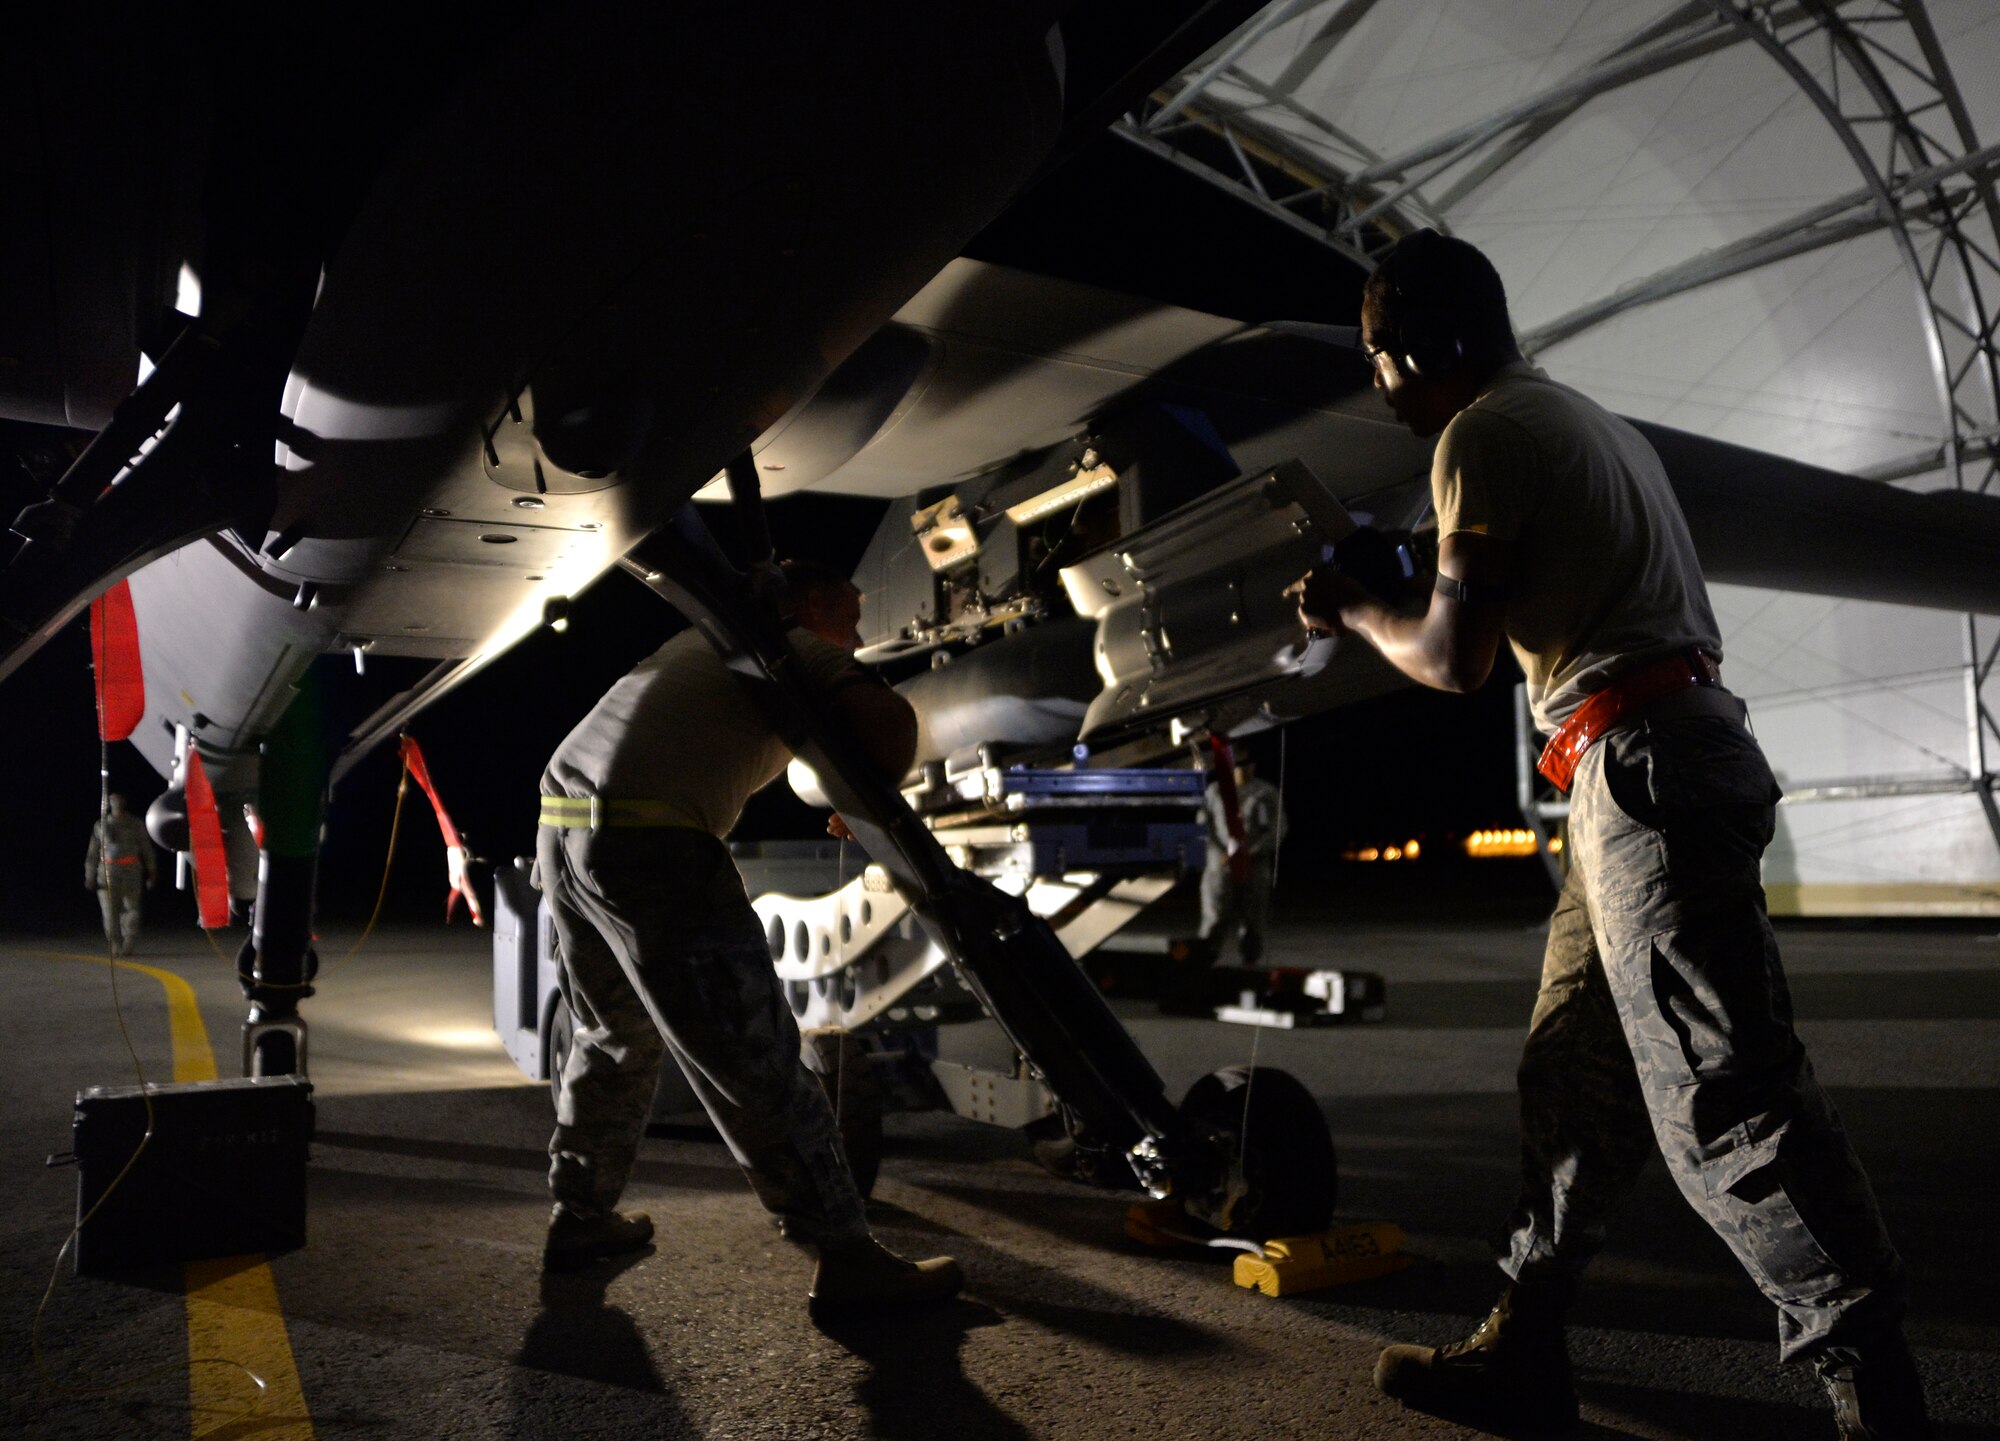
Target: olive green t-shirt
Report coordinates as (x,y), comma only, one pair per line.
(1604,576)
(681,729)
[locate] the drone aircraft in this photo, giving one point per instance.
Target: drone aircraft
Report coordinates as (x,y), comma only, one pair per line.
(397,332)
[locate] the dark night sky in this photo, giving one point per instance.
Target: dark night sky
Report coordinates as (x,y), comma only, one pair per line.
(1407,764)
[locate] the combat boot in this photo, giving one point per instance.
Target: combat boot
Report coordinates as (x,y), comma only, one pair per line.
(1513,1371)
(578,1240)
(1877,1394)
(867,1273)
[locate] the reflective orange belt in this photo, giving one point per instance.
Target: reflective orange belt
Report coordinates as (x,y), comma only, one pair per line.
(1629,693)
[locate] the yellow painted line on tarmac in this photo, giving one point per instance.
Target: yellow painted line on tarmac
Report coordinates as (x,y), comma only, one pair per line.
(194,1059)
(236,1330)
(233,1317)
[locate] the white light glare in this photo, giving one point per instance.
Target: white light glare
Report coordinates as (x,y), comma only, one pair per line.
(187,292)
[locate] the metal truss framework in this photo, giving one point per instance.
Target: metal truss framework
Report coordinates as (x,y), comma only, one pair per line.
(1878,75)
(1874,69)
(1340,191)
(1180,124)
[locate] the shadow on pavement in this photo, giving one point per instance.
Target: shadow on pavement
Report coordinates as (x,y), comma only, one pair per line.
(1648,1413)
(916,1388)
(1696,1415)
(684,1175)
(430,1148)
(580,1335)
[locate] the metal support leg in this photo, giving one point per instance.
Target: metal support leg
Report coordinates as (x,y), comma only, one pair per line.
(1977,721)
(276,966)
(278,962)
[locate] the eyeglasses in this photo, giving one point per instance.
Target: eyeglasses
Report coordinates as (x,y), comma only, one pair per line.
(1377,355)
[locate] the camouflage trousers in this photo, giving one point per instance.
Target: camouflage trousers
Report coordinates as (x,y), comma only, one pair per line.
(1664,1022)
(121,897)
(1227,907)
(662,955)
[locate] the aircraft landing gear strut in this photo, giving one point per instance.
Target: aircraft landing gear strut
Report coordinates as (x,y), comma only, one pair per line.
(278,963)
(276,967)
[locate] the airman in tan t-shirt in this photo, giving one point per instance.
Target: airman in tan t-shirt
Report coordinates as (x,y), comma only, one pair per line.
(1604,576)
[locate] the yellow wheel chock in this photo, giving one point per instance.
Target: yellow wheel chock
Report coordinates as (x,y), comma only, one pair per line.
(1286,1265)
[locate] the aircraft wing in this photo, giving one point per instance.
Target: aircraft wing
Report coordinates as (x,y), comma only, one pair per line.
(987,365)
(1765,520)
(1117,442)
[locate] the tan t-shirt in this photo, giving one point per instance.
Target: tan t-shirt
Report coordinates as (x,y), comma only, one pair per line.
(1604,576)
(680,728)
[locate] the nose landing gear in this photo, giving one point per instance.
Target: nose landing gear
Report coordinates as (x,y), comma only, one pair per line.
(1281,1176)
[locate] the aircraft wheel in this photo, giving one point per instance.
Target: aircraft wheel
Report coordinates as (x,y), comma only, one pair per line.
(841,1061)
(1281,1153)
(562,1036)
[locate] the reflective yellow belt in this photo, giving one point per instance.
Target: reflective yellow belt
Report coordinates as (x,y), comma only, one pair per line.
(596,812)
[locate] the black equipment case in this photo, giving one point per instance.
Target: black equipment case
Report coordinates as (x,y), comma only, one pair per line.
(224,1174)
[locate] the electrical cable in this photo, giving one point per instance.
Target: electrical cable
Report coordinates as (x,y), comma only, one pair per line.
(1256,1040)
(1249,1085)
(49,1381)
(381,895)
(47,1376)
(1257,1032)
(43,1371)
(62,1251)
(1049,551)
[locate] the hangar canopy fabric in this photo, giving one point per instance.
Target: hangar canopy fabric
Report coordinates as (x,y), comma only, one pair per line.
(1767,223)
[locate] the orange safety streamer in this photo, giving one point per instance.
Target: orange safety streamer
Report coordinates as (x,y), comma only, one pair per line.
(456,854)
(211,863)
(114,650)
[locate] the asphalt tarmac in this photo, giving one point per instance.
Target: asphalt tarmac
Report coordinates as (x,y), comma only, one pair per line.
(418,1308)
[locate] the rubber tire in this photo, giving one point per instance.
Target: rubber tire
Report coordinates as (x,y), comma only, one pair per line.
(562,1036)
(274,1053)
(1288,1162)
(841,1061)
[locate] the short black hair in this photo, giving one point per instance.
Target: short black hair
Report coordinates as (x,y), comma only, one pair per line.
(1453,283)
(808,582)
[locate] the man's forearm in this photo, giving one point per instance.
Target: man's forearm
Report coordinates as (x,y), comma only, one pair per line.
(1450,646)
(1409,643)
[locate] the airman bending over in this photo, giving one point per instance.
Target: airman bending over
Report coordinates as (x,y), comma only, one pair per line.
(663,955)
